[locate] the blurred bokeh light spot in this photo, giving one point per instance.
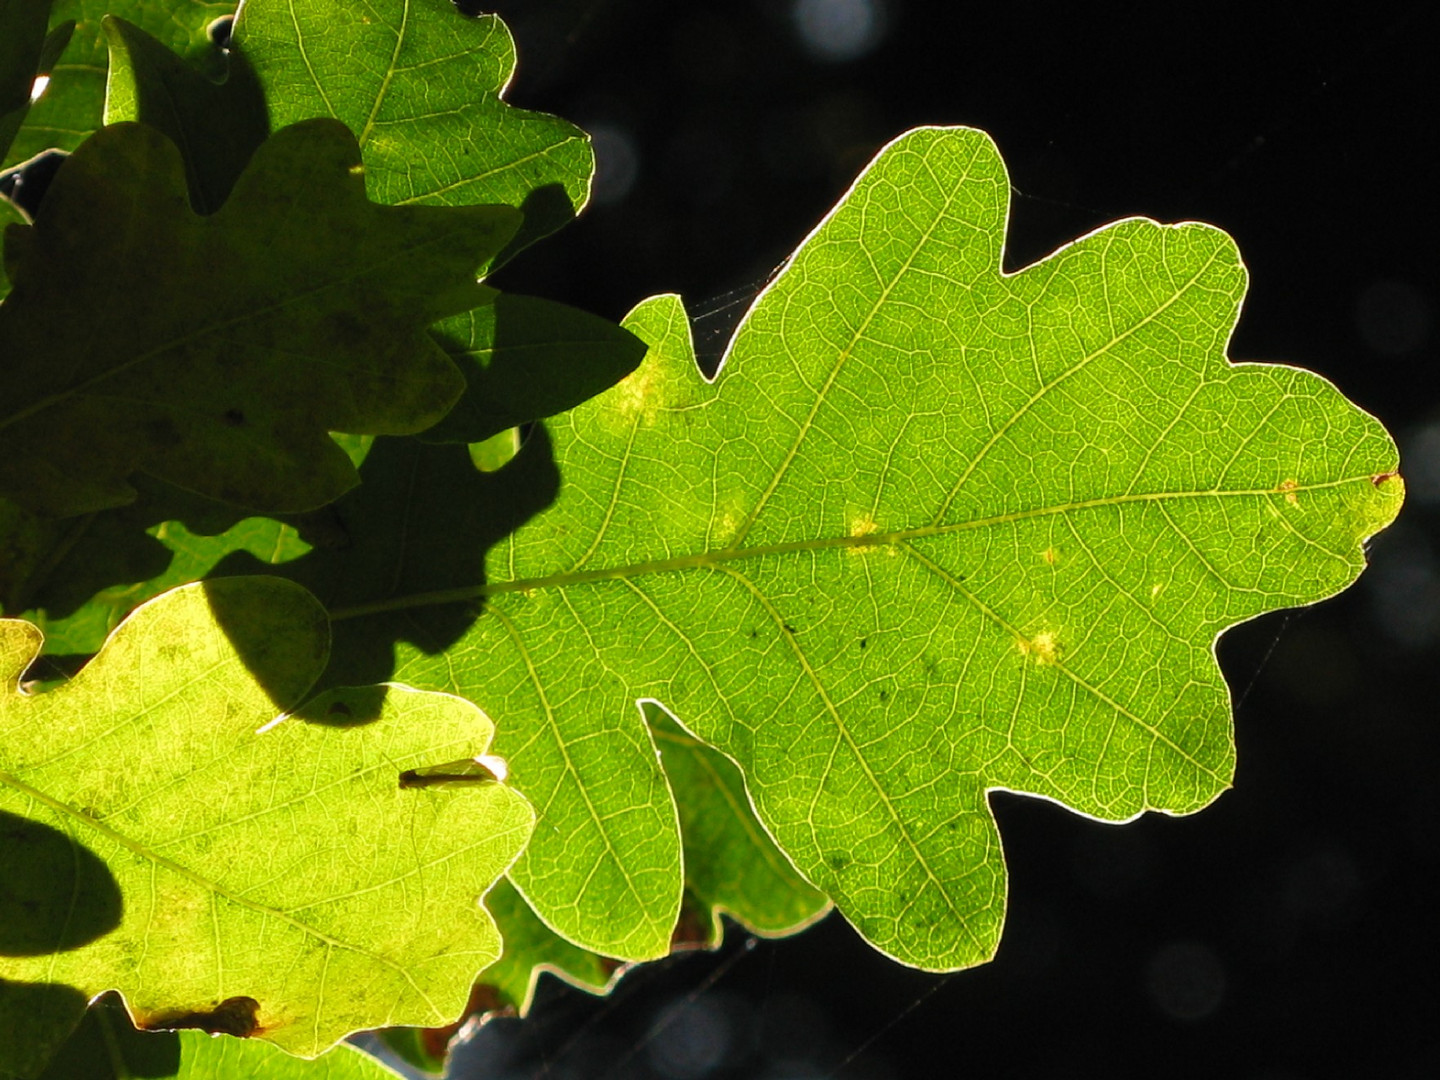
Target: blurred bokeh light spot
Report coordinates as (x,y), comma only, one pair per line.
(1420,464)
(1403,583)
(1186,980)
(1320,886)
(1393,318)
(617,164)
(839,30)
(694,1040)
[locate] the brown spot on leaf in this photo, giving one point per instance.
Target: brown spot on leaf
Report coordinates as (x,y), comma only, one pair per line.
(1380,478)
(234,1016)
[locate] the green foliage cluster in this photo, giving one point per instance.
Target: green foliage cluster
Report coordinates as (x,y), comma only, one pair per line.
(288,496)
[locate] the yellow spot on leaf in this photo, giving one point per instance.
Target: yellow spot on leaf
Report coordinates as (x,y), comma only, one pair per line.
(636,397)
(1288,487)
(1050,556)
(860,526)
(1044,648)
(863,525)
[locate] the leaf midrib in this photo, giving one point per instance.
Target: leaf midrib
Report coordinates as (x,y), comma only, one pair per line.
(567,579)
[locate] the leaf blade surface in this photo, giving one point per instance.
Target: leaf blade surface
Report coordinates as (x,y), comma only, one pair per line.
(258,877)
(938,530)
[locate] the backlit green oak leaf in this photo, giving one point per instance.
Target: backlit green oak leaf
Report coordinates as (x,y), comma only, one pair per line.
(71,106)
(217,352)
(531,947)
(604,867)
(76,578)
(507,986)
(607,855)
(107,1046)
(732,866)
(523,359)
(935,530)
(223,864)
(420,85)
(421,521)
(216,122)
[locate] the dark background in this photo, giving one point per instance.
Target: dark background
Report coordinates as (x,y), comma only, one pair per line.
(1286,932)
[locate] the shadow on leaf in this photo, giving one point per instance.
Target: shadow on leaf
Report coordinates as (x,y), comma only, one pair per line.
(419,526)
(546,209)
(55,894)
(106,1041)
(36,1019)
(280,633)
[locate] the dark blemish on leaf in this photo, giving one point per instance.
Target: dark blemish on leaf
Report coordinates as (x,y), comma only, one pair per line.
(838,863)
(864,642)
(884,695)
(234,1016)
(788,628)
(1380,478)
(234,417)
(339,708)
(754,634)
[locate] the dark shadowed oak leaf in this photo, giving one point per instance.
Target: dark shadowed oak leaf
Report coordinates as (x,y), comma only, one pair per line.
(217,352)
(172,831)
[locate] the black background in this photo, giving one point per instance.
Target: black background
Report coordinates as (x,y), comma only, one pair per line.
(1287,931)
